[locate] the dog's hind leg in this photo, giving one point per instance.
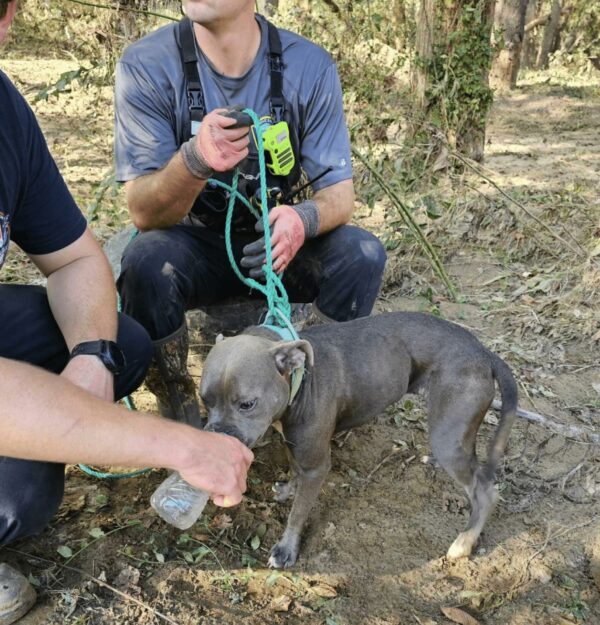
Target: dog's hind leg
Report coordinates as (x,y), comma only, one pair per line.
(456,411)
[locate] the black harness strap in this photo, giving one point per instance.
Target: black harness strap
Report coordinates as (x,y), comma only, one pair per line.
(195,94)
(276,69)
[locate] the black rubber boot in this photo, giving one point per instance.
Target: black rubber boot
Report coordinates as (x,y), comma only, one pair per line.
(315,317)
(17,595)
(168,378)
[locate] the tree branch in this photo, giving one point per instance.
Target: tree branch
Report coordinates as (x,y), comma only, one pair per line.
(568,431)
(538,21)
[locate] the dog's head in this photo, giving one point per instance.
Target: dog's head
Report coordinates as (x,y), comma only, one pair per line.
(246,383)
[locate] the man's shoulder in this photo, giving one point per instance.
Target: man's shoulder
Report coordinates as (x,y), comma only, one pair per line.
(14,109)
(10,96)
(299,49)
(152,49)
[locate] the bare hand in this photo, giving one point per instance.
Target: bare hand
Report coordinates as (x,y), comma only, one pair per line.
(222,148)
(217,464)
(90,374)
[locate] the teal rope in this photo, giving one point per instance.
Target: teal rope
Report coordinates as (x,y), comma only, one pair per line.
(128,401)
(104,476)
(279,308)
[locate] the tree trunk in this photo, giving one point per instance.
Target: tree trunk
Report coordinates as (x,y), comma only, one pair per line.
(400,25)
(528,51)
(426,27)
(550,34)
(509,18)
(450,75)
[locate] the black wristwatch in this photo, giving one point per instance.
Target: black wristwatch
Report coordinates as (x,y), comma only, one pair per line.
(109,353)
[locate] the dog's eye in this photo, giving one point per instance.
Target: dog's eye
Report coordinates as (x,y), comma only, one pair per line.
(247,405)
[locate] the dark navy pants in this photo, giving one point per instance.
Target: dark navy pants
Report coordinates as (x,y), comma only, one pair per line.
(30,492)
(166,272)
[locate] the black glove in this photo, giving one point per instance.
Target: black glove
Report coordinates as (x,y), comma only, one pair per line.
(255,255)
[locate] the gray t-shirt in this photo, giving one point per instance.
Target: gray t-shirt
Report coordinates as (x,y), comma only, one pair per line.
(152,117)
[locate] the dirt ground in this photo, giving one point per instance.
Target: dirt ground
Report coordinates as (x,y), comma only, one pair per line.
(373,552)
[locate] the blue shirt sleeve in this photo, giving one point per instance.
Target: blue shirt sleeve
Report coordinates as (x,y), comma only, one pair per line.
(325,142)
(145,139)
(45,218)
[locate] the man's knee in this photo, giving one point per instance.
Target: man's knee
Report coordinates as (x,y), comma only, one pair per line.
(30,495)
(362,251)
(147,265)
(368,252)
(152,284)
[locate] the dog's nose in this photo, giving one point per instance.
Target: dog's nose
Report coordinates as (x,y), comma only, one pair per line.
(223,429)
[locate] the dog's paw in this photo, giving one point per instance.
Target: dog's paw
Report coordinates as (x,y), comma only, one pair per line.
(283,491)
(283,556)
(461,547)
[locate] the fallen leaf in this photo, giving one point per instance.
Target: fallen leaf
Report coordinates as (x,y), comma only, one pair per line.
(127,580)
(491,419)
(281,603)
(329,531)
(221,522)
(324,590)
(65,551)
(456,615)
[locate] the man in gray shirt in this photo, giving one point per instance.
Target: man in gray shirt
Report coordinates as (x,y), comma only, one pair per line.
(172,139)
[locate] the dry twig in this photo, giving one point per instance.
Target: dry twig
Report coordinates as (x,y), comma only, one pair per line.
(568,431)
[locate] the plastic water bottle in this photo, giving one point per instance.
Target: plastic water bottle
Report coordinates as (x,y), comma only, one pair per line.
(178,503)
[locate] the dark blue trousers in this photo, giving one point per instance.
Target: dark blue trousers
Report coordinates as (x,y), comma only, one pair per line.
(166,272)
(30,492)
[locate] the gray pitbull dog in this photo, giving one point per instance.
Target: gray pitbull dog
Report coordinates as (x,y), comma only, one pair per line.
(354,370)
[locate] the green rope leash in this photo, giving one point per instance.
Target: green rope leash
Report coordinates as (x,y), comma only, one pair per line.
(279,308)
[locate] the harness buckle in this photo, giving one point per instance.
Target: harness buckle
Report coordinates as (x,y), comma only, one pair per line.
(275,63)
(195,99)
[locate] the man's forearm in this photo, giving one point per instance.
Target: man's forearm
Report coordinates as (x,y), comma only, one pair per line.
(60,422)
(83,300)
(335,204)
(45,417)
(163,198)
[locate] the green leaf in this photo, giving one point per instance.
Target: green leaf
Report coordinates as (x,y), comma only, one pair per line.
(275,575)
(96,532)
(159,557)
(431,207)
(255,543)
(101,499)
(261,530)
(248,560)
(65,552)
(200,553)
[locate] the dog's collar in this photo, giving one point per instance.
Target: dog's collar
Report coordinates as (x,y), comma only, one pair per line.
(297,374)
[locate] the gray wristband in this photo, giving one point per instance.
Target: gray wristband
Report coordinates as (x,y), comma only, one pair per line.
(194,161)
(309,213)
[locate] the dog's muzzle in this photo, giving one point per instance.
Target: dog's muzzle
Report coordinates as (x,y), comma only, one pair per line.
(225,429)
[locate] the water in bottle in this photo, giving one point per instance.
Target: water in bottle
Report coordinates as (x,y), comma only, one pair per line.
(177,502)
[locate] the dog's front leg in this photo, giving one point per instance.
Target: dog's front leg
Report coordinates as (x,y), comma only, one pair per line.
(308,485)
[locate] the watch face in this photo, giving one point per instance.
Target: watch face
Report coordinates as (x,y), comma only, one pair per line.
(116,355)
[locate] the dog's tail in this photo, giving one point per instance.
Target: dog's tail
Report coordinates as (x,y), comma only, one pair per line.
(509,393)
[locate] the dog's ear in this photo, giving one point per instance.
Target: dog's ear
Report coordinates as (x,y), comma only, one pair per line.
(290,355)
